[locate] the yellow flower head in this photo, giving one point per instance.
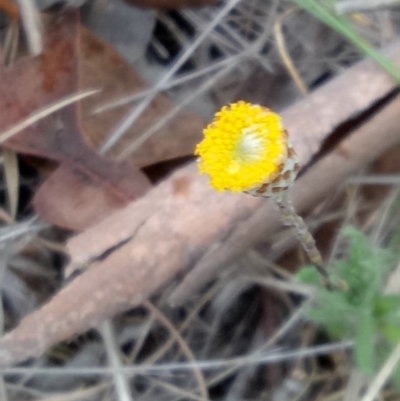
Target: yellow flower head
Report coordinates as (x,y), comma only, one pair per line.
(244,146)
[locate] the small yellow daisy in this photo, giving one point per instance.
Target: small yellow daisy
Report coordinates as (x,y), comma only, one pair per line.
(246,149)
(243,147)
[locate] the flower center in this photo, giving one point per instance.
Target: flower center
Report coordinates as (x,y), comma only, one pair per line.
(250,146)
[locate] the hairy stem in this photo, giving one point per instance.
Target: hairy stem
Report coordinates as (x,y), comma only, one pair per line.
(299,228)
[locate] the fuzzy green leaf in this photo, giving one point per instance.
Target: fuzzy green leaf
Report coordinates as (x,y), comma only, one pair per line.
(386,305)
(391,332)
(308,275)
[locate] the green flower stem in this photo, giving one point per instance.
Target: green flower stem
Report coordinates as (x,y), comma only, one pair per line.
(291,219)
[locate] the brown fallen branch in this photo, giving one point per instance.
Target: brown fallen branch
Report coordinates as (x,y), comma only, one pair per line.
(309,123)
(179,223)
(183,223)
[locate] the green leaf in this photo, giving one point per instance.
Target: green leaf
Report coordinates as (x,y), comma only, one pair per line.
(391,332)
(364,344)
(387,304)
(363,270)
(334,313)
(308,275)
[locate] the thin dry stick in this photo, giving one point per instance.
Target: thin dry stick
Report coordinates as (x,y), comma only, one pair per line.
(11,172)
(383,375)
(185,348)
(46,111)
(171,341)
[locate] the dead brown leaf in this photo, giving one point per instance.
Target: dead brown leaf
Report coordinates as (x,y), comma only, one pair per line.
(87,187)
(10,8)
(102,67)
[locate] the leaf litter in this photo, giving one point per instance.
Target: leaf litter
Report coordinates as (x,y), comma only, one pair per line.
(95,186)
(227,320)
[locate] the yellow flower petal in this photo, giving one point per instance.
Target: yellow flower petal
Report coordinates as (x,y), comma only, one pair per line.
(244,146)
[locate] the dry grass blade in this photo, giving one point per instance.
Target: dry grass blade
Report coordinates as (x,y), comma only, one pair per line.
(32,26)
(286,286)
(176,390)
(350,6)
(10,46)
(167,345)
(137,111)
(5,216)
(287,60)
(383,375)
(79,395)
(168,85)
(120,381)
(45,112)
(376,179)
(3,393)
(134,145)
(183,344)
(11,172)
(254,359)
